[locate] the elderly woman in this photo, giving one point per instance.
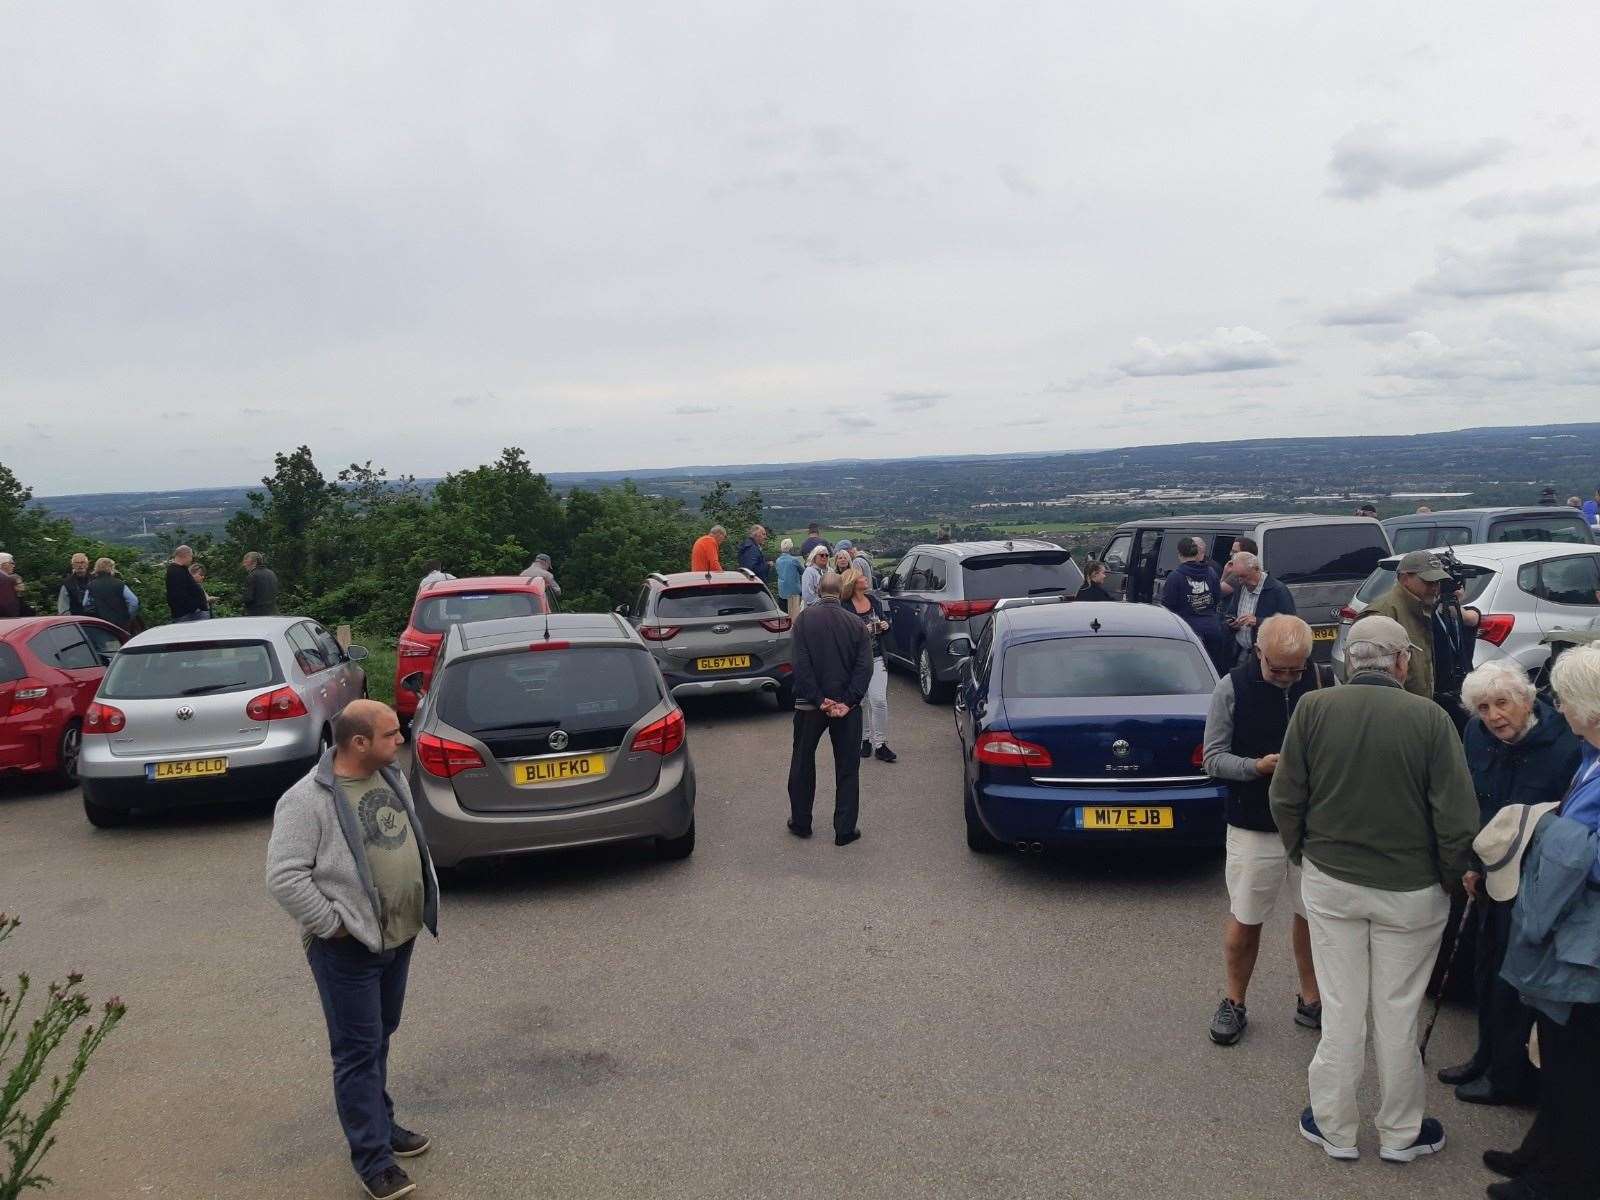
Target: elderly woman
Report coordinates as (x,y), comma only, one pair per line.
(790,568)
(856,598)
(1520,751)
(1553,960)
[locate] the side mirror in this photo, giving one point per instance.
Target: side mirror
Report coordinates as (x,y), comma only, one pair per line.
(356,653)
(412,682)
(964,668)
(623,610)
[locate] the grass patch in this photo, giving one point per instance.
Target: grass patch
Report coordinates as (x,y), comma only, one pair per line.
(379,664)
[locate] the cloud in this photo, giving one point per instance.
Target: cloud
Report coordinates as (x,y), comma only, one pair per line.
(1238,349)
(1370,309)
(696,410)
(1371,158)
(1534,262)
(915,401)
(1017,183)
(1535,202)
(1422,355)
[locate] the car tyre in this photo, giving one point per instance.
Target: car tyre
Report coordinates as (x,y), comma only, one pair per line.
(672,849)
(68,751)
(102,817)
(933,692)
(979,839)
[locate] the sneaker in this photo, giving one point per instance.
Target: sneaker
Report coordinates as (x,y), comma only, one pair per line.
(884,754)
(1227,1027)
(866,748)
(1309,1131)
(406,1144)
(389,1184)
(1430,1140)
(1307,1016)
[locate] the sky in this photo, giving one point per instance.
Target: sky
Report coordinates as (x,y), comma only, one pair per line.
(644,235)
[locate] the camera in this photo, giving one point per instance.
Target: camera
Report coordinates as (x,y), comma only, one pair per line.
(1450,589)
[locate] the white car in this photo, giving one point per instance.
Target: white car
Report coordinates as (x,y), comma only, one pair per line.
(1524,590)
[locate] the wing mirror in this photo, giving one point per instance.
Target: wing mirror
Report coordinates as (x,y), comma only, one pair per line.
(412,683)
(623,610)
(356,653)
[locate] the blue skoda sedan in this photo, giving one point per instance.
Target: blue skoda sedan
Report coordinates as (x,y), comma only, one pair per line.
(1082,724)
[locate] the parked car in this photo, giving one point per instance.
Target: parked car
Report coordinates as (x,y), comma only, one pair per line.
(1322,560)
(714,633)
(1525,590)
(940,597)
(236,708)
(544,733)
(1471,526)
(1082,724)
(444,605)
(49,670)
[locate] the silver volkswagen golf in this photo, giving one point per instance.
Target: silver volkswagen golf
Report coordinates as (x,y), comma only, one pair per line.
(235,708)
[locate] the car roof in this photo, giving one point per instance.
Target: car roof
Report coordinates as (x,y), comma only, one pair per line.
(218,629)
(1515,510)
(1246,520)
(563,627)
(1499,553)
(27,626)
(978,549)
(701,578)
(484,583)
(1076,617)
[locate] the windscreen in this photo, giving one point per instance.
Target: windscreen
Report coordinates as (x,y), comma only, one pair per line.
(1086,667)
(1553,528)
(439,613)
(1323,553)
(579,689)
(1381,580)
(1039,574)
(718,600)
(189,669)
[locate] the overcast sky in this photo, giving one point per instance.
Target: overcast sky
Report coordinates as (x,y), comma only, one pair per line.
(649,234)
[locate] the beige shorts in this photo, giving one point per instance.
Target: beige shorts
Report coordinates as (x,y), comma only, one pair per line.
(1258,869)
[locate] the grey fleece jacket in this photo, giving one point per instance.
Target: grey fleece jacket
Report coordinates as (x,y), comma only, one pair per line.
(317,866)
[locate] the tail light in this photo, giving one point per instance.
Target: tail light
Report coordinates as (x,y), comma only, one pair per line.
(30,694)
(960,610)
(550,646)
(658,633)
(408,648)
(1348,614)
(1198,758)
(444,758)
(777,624)
(1000,749)
(661,737)
(1495,628)
(102,718)
(278,705)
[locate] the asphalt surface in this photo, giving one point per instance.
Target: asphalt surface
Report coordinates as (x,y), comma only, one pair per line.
(899,1018)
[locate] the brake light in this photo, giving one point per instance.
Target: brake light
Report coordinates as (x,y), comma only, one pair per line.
(661,737)
(1348,614)
(658,633)
(550,646)
(960,610)
(776,624)
(278,705)
(1198,758)
(999,748)
(30,694)
(102,718)
(444,758)
(1495,628)
(408,648)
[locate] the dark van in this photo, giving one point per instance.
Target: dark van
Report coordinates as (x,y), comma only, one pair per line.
(1473,526)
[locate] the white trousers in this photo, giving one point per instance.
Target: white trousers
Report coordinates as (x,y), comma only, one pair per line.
(1372,949)
(875,708)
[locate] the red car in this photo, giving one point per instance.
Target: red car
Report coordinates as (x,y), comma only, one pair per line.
(50,669)
(453,602)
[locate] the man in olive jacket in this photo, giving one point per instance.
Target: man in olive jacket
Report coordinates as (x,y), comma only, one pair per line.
(1412,601)
(1372,797)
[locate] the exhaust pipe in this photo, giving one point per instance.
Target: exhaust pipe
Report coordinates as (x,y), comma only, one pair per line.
(1037,847)
(1026,847)
(1022,847)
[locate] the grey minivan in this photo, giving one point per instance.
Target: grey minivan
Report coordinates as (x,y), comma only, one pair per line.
(1469,526)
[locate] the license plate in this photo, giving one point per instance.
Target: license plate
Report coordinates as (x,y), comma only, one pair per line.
(1324,633)
(728,662)
(560,770)
(186,768)
(1105,816)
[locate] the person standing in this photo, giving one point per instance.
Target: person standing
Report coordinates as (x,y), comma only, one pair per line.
(1372,797)
(197,571)
(110,598)
(1591,508)
(1256,597)
(74,588)
(811,578)
(348,860)
(1094,582)
(832,671)
(1249,714)
(1411,602)
(813,540)
(11,588)
(753,555)
(706,553)
(790,566)
(539,568)
(855,597)
(186,599)
(433,572)
(260,598)
(1193,591)
(857,561)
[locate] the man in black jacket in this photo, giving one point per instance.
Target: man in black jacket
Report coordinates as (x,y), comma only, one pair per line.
(260,597)
(186,599)
(832,668)
(1255,597)
(1250,711)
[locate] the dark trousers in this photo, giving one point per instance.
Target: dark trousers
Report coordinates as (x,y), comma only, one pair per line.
(362,994)
(1504,1021)
(1561,1148)
(845,734)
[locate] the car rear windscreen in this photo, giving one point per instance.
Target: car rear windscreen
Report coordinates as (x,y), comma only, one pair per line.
(1040,574)
(1553,528)
(439,613)
(715,600)
(1381,580)
(189,669)
(1086,667)
(1323,553)
(579,689)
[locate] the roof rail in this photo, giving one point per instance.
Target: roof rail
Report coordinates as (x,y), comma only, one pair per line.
(656,575)
(749,574)
(1029,601)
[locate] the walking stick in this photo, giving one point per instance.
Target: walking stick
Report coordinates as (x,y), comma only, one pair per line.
(1444,979)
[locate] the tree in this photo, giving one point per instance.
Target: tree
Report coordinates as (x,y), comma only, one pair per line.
(503,512)
(734,513)
(280,519)
(617,537)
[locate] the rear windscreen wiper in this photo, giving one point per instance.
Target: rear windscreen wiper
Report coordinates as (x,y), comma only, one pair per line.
(516,725)
(203,689)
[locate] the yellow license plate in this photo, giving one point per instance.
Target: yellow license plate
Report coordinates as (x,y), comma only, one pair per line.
(729,662)
(560,770)
(1107,817)
(1324,633)
(188,768)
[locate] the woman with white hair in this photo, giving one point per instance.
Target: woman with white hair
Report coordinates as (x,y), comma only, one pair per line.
(789,567)
(1519,751)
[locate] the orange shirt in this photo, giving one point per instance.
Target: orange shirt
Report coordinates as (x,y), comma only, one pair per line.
(704,556)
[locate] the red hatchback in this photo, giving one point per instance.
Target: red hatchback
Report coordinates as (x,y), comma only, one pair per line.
(454,602)
(50,669)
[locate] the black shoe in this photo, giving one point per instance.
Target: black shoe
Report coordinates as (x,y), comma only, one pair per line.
(1307,1016)
(866,748)
(844,839)
(389,1184)
(1227,1025)
(1463,1072)
(406,1144)
(1482,1091)
(884,754)
(800,831)
(1517,1189)
(1505,1162)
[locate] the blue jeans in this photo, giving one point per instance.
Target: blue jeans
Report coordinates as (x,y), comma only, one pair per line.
(362,994)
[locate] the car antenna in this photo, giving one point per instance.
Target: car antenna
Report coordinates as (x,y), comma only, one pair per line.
(1095,624)
(547,626)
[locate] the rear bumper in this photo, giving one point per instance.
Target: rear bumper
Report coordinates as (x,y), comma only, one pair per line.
(681,686)
(1047,815)
(244,784)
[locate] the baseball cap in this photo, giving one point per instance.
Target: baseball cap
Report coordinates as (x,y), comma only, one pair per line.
(1423,565)
(1384,633)
(1502,843)
(544,558)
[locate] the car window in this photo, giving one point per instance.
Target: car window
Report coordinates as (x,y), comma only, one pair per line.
(1115,556)
(1323,553)
(106,642)
(1574,581)
(1037,573)
(916,578)
(1222,549)
(331,650)
(580,689)
(934,572)
(1084,667)
(1528,579)
(717,600)
(63,646)
(641,606)
(1412,537)
(438,613)
(11,668)
(980,652)
(307,653)
(1167,558)
(1451,535)
(189,669)
(1554,528)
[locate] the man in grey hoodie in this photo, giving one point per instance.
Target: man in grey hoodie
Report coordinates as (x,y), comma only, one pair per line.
(348,860)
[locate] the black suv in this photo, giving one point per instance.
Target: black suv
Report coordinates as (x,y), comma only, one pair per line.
(1322,560)
(940,598)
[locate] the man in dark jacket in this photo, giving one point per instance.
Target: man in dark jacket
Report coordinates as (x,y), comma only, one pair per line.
(186,599)
(752,556)
(832,670)
(260,596)
(1256,596)
(74,588)
(1194,592)
(1250,711)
